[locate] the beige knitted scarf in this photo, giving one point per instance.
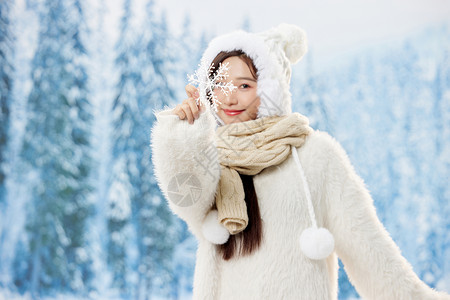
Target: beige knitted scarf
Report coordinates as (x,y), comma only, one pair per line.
(248,148)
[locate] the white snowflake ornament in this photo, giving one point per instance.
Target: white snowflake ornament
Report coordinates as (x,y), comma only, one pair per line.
(207,82)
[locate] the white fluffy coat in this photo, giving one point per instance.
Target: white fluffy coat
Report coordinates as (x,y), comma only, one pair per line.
(278,269)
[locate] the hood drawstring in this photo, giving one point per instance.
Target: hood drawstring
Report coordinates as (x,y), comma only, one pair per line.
(315,243)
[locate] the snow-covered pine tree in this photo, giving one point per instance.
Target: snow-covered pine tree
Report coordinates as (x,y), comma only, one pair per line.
(6,74)
(188,54)
(186,59)
(408,162)
(403,133)
(102,79)
(312,90)
(6,86)
(441,89)
(57,148)
(434,102)
(25,33)
(120,187)
(144,64)
(157,235)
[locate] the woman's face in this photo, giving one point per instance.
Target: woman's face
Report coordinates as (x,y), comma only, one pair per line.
(242,104)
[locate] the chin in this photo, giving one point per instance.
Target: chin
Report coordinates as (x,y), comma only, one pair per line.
(234,119)
(229,120)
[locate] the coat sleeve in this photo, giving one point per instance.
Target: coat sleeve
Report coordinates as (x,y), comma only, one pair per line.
(371,259)
(186,165)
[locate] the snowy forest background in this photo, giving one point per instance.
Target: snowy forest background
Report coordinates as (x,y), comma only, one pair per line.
(81,216)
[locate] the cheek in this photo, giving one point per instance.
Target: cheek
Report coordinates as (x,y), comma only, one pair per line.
(253,101)
(218,94)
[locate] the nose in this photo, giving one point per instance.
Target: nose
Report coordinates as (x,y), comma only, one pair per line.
(231,98)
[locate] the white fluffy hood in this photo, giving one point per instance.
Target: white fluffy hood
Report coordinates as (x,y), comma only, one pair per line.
(272,51)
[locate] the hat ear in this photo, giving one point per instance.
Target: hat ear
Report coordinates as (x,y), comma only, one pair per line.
(293,41)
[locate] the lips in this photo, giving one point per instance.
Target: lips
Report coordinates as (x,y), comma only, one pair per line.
(232,112)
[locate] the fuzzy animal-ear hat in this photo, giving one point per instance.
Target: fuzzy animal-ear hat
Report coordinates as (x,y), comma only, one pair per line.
(272,51)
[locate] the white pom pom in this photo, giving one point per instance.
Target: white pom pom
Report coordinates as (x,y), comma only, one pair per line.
(316,243)
(295,42)
(213,231)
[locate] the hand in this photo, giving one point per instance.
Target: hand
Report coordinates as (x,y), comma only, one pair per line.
(189,108)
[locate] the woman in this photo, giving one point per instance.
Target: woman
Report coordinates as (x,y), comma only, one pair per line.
(272,202)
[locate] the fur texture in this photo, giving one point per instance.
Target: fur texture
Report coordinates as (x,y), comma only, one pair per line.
(279,270)
(213,230)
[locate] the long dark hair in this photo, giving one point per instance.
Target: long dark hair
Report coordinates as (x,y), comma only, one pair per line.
(250,238)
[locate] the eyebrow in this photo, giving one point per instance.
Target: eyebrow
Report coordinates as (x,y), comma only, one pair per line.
(246,78)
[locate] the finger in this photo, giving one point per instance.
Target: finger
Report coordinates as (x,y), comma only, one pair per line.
(194,107)
(201,107)
(179,112)
(191,91)
(187,110)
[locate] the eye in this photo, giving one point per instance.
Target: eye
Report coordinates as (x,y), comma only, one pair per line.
(245,86)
